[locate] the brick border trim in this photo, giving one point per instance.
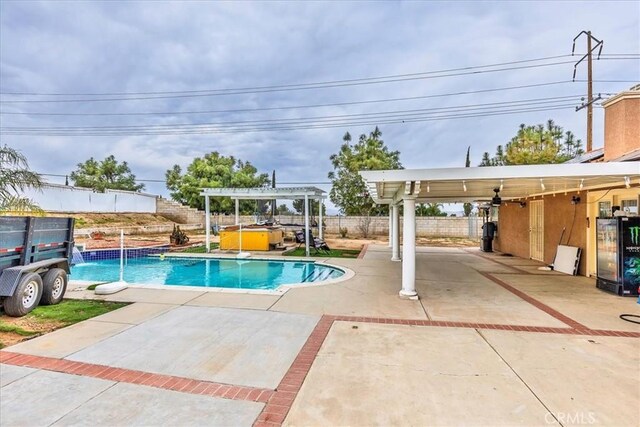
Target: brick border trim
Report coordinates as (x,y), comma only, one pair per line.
(538,304)
(513,267)
(363,251)
(166,382)
(278,402)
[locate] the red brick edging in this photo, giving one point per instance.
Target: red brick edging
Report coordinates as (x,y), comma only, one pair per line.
(278,402)
(363,251)
(167,382)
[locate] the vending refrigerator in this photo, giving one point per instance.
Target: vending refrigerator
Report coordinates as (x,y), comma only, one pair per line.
(618,255)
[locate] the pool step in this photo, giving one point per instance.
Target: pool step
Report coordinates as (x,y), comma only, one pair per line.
(317,276)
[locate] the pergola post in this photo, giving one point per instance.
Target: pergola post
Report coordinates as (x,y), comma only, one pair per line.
(395,233)
(320,231)
(237,211)
(409,249)
(207,224)
(306,225)
(390,227)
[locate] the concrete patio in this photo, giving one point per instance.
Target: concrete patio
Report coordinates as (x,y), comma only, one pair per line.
(492,341)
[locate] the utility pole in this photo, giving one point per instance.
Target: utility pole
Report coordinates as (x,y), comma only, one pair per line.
(589,57)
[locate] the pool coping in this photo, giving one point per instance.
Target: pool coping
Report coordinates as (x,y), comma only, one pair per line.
(280,290)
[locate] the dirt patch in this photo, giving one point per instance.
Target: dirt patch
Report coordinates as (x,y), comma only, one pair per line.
(26,324)
(449,242)
(92,220)
(138,240)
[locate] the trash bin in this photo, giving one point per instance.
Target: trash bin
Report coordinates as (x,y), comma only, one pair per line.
(488,232)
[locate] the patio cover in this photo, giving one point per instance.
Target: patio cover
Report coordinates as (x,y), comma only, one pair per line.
(448,185)
(264,193)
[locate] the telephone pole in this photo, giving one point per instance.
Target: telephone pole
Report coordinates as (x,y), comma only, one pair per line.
(589,57)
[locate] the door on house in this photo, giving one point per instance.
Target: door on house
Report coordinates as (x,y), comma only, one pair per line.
(536,230)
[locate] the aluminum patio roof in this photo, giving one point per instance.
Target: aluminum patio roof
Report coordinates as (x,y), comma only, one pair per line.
(477,184)
(265,193)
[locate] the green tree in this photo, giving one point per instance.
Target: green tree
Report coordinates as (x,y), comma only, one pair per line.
(284,210)
(349,192)
(16,177)
(430,209)
(105,174)
(537,144)
(468,207)
(215,171)
(298,206)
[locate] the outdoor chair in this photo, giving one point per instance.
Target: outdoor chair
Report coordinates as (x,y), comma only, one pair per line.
(318,245)
(299,238)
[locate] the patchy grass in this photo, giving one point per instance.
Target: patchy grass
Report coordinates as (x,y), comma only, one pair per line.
(16,330)
(74,311)
(48,318)
(200,249)
(334,253)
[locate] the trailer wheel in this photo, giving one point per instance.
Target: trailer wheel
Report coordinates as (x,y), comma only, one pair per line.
(54,285)
(26,296)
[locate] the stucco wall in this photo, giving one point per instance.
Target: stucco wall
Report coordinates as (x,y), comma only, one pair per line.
(62,198)
(621,128)
(513,234)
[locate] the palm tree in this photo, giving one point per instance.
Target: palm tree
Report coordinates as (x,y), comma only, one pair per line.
(16,177)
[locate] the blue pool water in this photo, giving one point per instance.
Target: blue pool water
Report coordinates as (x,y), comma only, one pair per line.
(221,273)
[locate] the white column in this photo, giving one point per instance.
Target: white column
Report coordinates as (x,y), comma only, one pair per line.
(237,211)
(395,233)
(409,250)
(306,225)
(207,223)
(320,232)
(390,226)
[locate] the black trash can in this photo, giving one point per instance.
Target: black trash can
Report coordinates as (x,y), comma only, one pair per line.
(486,244)
(488,232)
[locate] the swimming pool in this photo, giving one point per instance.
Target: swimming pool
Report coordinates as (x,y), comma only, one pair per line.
(206,272)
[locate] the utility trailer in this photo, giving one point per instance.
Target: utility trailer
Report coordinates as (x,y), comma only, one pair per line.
(35,258)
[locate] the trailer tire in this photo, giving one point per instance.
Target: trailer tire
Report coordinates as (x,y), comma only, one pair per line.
(54,285)
(26,296)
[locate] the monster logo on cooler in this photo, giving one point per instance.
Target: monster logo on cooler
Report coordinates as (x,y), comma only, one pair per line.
(635,231)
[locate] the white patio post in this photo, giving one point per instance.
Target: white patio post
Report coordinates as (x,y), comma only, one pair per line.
(320,233)
(237,211)
(306,225)
(395,233)
(207,223)
(409,250)
(390,226)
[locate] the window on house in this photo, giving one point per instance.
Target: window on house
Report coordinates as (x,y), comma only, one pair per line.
(630,206)
(604,209)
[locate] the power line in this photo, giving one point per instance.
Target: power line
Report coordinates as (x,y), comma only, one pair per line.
(286,85)
(618,56)
(283,88)
(337,104)
(164,180)
(457,108)
(306,126)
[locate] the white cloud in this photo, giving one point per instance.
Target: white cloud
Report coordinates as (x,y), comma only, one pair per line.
(175,46)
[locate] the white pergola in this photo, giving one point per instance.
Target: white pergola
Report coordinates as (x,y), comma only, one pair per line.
(450,185)
(282,193)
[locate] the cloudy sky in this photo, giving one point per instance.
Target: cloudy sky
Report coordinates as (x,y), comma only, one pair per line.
(170,65)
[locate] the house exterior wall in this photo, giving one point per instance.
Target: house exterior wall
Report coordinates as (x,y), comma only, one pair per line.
(513,227)
(621,127)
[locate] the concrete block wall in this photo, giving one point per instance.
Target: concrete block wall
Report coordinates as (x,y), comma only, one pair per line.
(179,213)
(469,227)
